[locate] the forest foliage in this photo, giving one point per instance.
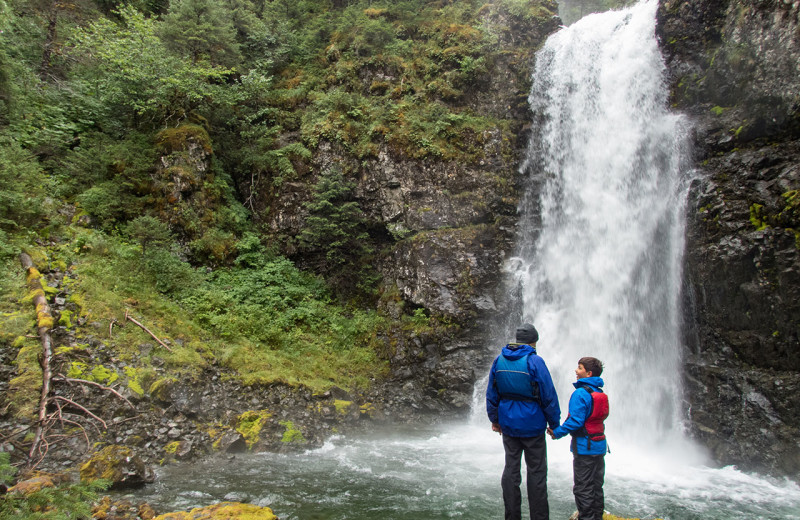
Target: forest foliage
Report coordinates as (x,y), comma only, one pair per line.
(108,111)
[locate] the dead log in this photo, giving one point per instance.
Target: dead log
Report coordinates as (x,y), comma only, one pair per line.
(44,324)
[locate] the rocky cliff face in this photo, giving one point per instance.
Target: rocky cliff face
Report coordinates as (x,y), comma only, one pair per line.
(735,68)
(446,225)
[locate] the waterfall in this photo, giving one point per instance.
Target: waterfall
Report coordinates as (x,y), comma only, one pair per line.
(601,232)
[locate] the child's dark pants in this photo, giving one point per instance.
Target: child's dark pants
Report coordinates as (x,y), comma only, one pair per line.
(588,473)
(535,451)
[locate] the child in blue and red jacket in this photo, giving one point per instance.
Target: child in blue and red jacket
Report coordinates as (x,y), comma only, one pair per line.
(588,408)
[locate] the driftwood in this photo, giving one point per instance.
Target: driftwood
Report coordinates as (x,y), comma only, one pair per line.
(44,322)
(128,317)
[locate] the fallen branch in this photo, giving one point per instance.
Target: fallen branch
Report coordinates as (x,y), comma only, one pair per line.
(87,412)
(63,420)
(128,317)
(62,377)
(44,324)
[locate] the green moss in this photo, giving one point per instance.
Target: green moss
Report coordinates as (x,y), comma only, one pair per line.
(176,139)
(250,423)
(342,407)
(46,321)
(65,320)
(78,301)
(160,388)
(226,510)
(367,409)
(292,435)
(102,374)
(172,447)
(134,382)
(718,110)
(757,217)
(24,390)
(106,464)
(77,370)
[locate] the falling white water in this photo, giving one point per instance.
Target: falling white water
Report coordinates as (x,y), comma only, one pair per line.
(601,241)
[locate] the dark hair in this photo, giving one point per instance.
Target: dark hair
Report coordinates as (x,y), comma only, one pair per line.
(591,364)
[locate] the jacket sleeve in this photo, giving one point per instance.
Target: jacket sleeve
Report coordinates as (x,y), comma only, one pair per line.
(492,396)
(547,391)
(579,410)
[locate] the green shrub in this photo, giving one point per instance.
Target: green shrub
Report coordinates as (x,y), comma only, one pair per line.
(22,187)
(147,230)
(58,502)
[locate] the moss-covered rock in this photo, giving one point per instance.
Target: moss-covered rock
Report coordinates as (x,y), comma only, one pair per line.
(223,511)
(250,423)
(292,435)
(118,465)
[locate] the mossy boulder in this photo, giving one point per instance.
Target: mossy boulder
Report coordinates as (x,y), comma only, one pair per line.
(606,516)
(110,509)
(223,510)
(37,483)
(118,465)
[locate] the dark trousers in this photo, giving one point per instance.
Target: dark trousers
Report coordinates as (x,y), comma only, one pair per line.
(588,474)
(535,451)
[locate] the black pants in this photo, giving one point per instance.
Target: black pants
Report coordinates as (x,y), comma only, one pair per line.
(588,474)
(535,451)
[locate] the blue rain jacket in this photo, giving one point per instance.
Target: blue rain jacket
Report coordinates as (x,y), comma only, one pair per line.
(580,408)
(524,418)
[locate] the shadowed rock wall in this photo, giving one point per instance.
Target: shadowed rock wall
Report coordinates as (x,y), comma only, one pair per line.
(735,68)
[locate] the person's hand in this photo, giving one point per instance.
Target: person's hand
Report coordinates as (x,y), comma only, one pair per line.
(550,433)
(496,428)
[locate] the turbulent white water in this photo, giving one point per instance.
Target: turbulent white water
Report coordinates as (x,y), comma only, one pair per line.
(599,273)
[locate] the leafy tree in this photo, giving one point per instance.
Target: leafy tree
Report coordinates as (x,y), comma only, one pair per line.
(202,30)
(129,66)
(22,193)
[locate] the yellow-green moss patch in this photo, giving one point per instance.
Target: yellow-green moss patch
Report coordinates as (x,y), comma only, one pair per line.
(249,424)
(223,510)
(175,139)
(367,409)
(292,434)
(134,382)
(342,406)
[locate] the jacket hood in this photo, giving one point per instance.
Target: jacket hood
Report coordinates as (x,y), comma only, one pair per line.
(515,351)
(595,382)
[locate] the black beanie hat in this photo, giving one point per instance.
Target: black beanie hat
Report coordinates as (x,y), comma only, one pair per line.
(527,333)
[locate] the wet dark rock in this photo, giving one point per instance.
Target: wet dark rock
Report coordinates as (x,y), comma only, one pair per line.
(733,68)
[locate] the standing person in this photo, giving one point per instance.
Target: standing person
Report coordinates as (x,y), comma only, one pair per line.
(521,401)
(588,408)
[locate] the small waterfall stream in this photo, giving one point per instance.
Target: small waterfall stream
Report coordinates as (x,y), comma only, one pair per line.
(599,272)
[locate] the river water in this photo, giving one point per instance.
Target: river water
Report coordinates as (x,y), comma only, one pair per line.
(598,272)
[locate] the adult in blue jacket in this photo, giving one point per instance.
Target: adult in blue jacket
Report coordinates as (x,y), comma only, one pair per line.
(521,402)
